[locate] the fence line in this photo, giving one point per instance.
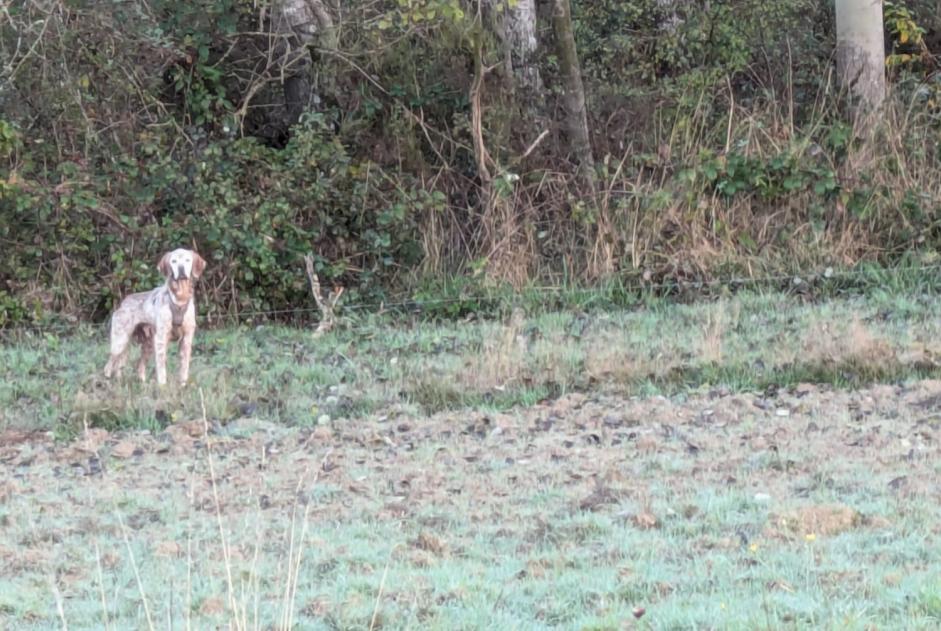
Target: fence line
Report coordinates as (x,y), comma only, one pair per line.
(795,280)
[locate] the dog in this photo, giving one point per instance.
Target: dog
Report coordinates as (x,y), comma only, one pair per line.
(154,318)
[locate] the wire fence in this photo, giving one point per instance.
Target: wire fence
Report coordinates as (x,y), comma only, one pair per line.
(532,294)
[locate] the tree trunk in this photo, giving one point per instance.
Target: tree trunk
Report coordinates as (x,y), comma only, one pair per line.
(303,23)
(860,52)
(519,37)
(670,19)
(573,92)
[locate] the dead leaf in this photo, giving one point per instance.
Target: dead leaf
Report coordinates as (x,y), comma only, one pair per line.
(430,543)
(93,439)
(8,490)
(322,434)
(185,432)
(645,521)
(196,428)
(827,519)
(18,436)
(212,607)
(600,496)
(124,449)
(168,549)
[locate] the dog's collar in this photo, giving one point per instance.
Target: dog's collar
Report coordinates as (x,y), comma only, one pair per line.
(177,310)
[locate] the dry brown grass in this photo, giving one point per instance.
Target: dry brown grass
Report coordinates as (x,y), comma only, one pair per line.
(662,218)
(710,346)
(852,343)
(608,360)
(501,360)
(499,364)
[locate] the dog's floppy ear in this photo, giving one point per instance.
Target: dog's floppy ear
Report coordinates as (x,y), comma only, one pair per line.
(164,265)
(199,266)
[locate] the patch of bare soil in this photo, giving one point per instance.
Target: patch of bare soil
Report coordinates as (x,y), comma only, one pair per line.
(588,434)
(598,453)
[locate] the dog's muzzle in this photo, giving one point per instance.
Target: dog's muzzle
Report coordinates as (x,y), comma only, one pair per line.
(180,272)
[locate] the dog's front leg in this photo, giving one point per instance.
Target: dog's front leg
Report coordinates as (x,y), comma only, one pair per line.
(186,351)
(161,341)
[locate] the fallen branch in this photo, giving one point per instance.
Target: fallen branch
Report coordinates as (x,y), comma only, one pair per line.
(326,305)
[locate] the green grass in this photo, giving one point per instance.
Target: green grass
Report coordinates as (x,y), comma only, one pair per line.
(744,342)
(488,474)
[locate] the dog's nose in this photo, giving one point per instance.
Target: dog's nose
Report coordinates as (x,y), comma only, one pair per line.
(180,272)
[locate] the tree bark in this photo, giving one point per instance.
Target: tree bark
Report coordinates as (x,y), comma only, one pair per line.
(670,18)
(573,92)
(519,37)
(860,52)
(304,23)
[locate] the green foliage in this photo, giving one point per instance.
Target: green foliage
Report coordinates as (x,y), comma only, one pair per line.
(458,297)
(255,209)
(131,128)
(410,13)
(627,44)
(769,179)
(908,37)
(266,208)
(9,139)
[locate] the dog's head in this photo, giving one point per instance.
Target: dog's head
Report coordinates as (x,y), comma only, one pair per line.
(181,264)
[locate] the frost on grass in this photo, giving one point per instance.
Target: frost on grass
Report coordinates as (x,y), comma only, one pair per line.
(574,512)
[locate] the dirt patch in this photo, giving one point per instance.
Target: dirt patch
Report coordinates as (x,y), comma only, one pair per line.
(717,473)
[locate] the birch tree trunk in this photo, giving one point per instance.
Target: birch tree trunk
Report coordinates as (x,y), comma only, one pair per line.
(860,51)
(573,92)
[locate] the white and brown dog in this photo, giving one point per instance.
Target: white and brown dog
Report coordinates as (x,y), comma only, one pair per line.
(154,318)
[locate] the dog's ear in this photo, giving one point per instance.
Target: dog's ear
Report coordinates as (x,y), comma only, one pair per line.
(199,266)
(164,265)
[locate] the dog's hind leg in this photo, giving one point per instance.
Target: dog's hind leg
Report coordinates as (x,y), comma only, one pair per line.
(120,338)
(116,362)
(146,352)
(143,336)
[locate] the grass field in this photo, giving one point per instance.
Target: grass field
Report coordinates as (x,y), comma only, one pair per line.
(751,462)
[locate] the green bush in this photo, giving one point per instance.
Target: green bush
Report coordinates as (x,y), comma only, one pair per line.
(130,128)
(255,210)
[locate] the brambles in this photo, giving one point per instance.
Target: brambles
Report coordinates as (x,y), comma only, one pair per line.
(719,149)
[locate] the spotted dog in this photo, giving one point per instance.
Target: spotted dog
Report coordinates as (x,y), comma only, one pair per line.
(154,318)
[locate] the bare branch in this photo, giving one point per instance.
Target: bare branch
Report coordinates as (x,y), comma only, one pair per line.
(326,305)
